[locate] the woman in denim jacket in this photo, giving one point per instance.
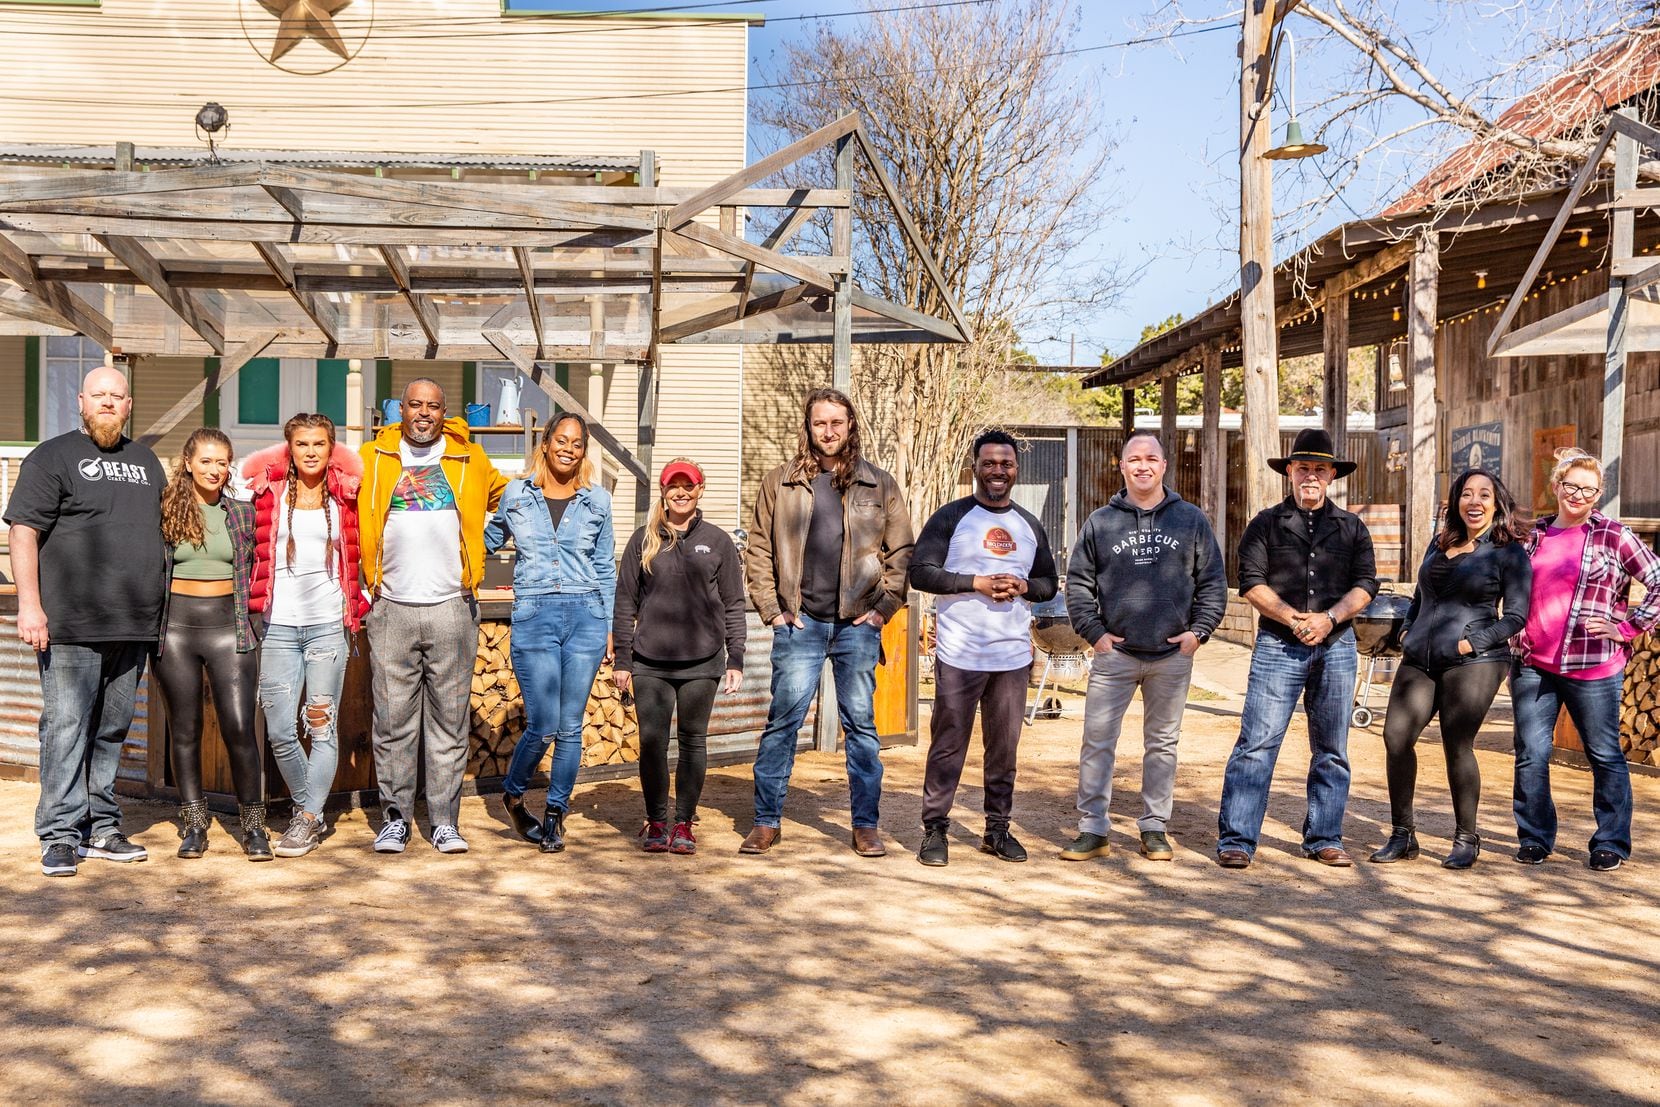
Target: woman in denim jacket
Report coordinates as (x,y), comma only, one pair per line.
(564,582)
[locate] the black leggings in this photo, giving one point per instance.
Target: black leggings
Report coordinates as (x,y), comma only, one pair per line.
(1461,695)
(201,634)
(655,701)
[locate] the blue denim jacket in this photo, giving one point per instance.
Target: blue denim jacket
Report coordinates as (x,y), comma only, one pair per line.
(580,558)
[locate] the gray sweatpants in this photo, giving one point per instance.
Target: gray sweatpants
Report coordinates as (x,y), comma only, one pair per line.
(421,661)
(1113,679)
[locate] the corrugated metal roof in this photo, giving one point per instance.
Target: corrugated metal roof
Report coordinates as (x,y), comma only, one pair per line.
(172,157)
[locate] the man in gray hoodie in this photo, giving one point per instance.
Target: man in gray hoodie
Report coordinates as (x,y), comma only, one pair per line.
(1146,586)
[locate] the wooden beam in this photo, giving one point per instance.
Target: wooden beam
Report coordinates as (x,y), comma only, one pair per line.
(1514,304)
(1335,346)
(17,267)
(1423,462)
(1213,460)
(899,313)
(768,259)
(527,274)
(320,310)
(726,313)
(426,312)
(725,189)
(101,182)
(543,379)
(288,200)
(912,235)
(25,305)
(207,321)
(1379,264)
(229,365)
(227,230)
(388,190)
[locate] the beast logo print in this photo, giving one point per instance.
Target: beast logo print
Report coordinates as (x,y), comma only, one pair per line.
(1000,542)
(423,489)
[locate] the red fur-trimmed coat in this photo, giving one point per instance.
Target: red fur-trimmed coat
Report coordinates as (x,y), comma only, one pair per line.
(266,473)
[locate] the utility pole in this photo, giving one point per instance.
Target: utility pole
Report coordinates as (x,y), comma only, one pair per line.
(1259,343)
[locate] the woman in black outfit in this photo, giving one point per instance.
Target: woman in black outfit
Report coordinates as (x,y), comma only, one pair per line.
(1455,653)
(679,623)
(205,628)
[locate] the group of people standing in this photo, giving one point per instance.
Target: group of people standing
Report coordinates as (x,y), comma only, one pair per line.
(116,561)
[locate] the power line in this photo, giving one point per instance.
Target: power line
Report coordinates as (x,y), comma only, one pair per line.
(661,95)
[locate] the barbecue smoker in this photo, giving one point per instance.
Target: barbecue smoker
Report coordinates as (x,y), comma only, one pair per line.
(1378,630)
(1065,655)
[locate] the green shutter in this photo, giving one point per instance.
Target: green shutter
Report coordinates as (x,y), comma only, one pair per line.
(331,388)
(210,402)
(259,392)
(31,389)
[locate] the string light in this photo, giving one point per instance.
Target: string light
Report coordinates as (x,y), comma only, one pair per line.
(1481,278)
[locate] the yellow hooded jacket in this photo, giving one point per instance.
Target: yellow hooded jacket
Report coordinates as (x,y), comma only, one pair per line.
(475,481)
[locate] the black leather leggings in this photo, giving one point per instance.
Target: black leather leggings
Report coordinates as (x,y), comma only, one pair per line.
(1461,696)
(201,634)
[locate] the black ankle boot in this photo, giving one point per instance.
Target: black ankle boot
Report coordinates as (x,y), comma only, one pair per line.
(193,832)
(1466,847)
(553,832)
(523,821)
(256,842)
(1402,846)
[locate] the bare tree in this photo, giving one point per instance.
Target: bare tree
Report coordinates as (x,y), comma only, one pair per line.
(999,153)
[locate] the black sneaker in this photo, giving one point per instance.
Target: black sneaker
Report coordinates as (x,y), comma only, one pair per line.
(1531,855)
(113,847)
(58,860)
(1001,844)
(1605,860)
(935,849)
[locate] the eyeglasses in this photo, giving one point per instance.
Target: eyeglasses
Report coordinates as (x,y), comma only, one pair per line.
(1579,491)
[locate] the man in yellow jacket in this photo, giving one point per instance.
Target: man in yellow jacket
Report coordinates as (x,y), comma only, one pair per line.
(427,492)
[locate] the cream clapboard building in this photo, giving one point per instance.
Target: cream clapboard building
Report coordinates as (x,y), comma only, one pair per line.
(406,88)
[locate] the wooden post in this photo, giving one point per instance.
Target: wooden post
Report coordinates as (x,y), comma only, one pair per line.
(1167,428)
(1128,418)
(841,363)
(1335,343)
(1213,457)
(1423,462)
(645,391)
(1072,522)
(1259,342)
(124,152)
(1614,360)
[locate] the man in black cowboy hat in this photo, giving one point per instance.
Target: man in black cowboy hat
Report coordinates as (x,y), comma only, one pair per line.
(1307,566)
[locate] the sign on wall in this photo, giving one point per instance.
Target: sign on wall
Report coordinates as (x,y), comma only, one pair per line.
(1546,441)
(1479,446)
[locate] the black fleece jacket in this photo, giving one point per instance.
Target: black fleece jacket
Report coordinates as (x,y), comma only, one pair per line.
(1146,576)
(1458,598)
(690,602)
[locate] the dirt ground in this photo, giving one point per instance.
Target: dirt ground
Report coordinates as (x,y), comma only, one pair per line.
(814,976)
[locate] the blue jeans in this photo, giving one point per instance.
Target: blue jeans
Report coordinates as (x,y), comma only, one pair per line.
(558,643)
(798,655)
(87,694)
(1324,676)
(1594,706)
(314,659)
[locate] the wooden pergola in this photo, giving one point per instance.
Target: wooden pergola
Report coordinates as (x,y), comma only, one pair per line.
(240,261)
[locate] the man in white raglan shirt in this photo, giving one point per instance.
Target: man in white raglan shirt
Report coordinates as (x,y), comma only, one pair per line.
(988,559)
(1146,587)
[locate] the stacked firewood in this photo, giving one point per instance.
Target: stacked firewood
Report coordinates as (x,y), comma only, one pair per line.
(610,735)
(1640,707)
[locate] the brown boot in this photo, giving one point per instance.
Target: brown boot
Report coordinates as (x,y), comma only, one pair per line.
(867,842)
(761,839)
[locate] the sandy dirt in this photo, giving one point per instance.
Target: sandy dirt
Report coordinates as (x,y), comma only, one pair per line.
(814,976)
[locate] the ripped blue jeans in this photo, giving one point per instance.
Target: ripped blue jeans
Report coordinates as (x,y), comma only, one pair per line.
(313,660)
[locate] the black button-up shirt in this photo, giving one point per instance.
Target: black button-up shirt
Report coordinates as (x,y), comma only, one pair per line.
(1311,559)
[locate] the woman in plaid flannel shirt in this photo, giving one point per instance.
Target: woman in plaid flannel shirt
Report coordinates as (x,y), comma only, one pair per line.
(1573,652)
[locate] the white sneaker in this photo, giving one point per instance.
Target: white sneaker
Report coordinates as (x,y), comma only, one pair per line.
(446,839)
(392,837)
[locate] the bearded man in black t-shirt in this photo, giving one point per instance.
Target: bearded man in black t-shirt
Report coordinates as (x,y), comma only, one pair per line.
(87,553)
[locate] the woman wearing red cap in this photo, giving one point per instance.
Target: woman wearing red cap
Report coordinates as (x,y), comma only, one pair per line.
(679,623)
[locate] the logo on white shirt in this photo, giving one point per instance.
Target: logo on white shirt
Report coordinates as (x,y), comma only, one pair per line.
(1000,542)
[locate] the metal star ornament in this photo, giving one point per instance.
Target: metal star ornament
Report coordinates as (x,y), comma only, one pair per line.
(303,19)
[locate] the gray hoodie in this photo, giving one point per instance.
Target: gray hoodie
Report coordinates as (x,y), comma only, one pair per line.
(1146,576)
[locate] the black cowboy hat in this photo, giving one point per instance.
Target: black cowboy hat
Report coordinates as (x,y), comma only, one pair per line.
(1312,445)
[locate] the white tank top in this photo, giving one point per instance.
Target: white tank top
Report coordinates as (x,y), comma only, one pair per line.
(305,592)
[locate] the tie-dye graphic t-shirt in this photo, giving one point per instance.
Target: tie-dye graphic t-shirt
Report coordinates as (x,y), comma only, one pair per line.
(421,559)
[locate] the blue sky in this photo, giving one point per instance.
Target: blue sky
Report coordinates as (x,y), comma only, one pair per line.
(1175,110)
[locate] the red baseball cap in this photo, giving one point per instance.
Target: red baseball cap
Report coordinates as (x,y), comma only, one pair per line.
(680,469)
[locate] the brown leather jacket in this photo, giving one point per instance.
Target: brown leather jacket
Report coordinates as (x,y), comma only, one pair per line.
(876,543)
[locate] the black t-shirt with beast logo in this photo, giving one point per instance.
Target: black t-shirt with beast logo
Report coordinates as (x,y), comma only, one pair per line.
(102,561)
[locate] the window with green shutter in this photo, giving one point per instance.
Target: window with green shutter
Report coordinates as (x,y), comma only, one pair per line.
(259,392)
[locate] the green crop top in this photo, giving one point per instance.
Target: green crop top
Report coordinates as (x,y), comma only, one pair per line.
(212,559)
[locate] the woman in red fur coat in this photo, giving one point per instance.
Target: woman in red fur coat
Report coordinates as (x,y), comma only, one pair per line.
(306,599)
